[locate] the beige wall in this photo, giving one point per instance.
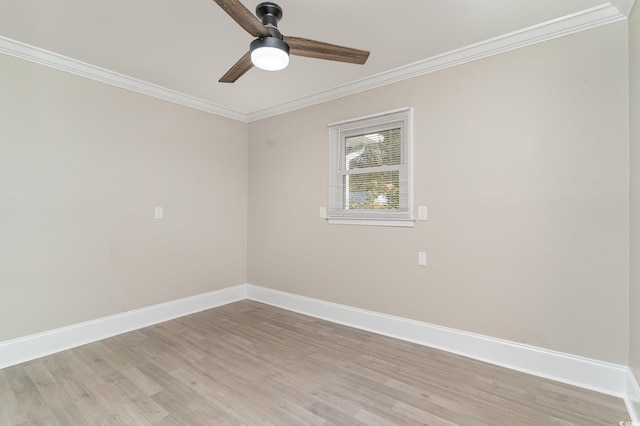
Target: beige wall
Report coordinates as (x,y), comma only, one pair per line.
(634,136)
(522,159)
(523,162)
(82,166)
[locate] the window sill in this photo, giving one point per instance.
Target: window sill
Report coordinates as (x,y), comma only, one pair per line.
(405,223)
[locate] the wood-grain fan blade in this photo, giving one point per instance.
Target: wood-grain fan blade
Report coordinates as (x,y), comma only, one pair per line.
(316,49)
(243,17)
(238,69)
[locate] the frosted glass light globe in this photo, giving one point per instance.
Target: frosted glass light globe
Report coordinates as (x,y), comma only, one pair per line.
(270,58)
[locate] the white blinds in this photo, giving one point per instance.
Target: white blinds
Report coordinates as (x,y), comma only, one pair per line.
(370,167)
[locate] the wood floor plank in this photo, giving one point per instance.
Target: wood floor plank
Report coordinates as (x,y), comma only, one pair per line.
(9,412)
(422,416)
(249,363)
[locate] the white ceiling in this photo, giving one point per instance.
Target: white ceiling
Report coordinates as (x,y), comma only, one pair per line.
(187,45)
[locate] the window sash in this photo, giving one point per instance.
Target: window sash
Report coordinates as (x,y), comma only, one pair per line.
(338,135)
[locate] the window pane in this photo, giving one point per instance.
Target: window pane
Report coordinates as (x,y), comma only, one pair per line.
(372,190)
(374,149)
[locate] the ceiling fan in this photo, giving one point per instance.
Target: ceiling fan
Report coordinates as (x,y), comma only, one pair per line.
(270,50)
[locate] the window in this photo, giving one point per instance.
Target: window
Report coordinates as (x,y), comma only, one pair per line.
(370,170)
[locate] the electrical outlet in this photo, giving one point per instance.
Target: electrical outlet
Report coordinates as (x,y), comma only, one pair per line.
(159,212)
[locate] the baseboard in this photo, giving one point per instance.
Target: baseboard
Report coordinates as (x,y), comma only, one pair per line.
(587,373)
(592,374)
(27,348)
(633,398)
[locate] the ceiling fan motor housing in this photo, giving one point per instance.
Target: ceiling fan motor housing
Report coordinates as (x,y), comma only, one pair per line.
(270,53)
(269,42)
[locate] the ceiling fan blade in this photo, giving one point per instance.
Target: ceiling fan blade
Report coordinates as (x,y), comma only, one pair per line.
(320,50)
(238,69)
(243,17)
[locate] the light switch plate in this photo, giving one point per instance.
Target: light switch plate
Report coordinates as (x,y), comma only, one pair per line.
(422,258)
(422,212)
(323,212)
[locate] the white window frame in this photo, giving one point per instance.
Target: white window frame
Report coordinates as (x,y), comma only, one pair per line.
(338,213)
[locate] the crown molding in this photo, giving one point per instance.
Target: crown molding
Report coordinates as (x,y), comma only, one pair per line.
(63,63)
(597,16)
(604,14)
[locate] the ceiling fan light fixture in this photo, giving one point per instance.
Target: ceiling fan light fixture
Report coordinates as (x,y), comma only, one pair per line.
(270,50)
(270,53)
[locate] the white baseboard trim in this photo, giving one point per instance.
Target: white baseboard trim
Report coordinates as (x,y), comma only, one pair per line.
(27,348)
(587,373)
(632,399)
(592,374)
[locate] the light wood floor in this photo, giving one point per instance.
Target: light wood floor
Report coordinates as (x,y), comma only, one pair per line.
(249,363)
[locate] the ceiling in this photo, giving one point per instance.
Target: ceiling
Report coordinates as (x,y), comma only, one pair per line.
(182,47)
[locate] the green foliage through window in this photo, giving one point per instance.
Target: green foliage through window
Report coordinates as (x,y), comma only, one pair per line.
(374,187)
